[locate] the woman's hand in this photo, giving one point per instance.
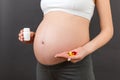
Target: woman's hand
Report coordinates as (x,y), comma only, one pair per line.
(81,53)
(21,38)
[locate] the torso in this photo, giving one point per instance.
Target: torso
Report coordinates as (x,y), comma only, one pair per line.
(59,32)
(62,30)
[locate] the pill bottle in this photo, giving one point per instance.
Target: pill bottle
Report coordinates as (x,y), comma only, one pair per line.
(26,34)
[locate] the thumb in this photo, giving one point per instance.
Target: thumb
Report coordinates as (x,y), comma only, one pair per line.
(62,55)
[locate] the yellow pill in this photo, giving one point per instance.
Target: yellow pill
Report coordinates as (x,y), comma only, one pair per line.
(70,53)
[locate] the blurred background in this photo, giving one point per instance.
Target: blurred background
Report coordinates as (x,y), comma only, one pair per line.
(17,60)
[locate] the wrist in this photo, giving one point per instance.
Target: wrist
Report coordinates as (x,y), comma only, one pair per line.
(88,49)
(87,52)
(83,51)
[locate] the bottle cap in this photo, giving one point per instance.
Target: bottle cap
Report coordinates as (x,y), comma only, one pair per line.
(26,29)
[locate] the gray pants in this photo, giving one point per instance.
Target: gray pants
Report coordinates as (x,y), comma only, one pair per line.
(82,70)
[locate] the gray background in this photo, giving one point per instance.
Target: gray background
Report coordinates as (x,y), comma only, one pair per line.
(17,61)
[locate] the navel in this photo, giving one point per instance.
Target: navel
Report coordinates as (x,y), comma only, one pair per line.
(43,42)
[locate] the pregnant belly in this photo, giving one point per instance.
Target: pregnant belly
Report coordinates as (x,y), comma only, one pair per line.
(54,38)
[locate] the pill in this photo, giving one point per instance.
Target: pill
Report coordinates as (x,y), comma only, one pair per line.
(72,53)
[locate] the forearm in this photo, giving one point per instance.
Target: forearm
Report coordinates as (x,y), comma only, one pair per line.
(100,40)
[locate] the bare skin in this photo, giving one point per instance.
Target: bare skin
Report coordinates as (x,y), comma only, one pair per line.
(60,32)
(55,36)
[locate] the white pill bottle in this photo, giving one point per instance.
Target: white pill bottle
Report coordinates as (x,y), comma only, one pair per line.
(26,34)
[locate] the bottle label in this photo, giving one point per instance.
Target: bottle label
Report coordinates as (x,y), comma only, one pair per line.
(26,36)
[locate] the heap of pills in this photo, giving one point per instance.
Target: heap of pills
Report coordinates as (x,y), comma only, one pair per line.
(72,53)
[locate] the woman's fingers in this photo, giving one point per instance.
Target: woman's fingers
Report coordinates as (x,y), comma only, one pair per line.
(20,35)
(62,55)
(20,39)
(21,31)
(81,53)
(65,55)
(74,61)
